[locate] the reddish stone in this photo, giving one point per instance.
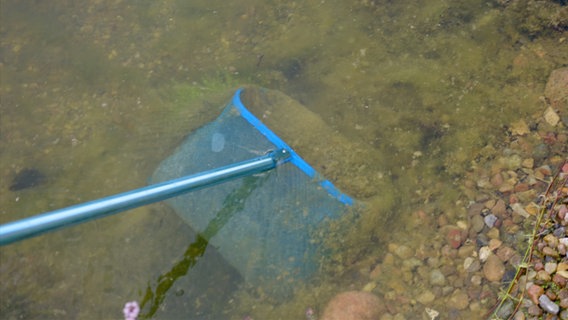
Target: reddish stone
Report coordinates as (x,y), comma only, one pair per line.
(534,310)
(505,253)
(534,292)
(555,89)
(354,305)
(521,187)
(454,237)
(497,180)
(499,209)
(563,303)
(551,295)
(513,199)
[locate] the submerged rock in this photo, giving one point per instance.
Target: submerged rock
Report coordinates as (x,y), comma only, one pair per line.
(555,89)
(27,178)
(354,305)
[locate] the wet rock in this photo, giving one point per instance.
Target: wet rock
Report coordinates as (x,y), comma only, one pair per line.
(493,269)
(505,253)
(471,265)
(499,209)
(534,310)
(519,128)
(426,297)
(547,305)
(540,152)
(490,220)
(454,237)
(403,252)
(477,223)
(459,300)
(27,178)
(437,278)
(475,209)
(506,310)
(354,305)
(535,291)
(497,180)
(556,86)
(550,267)
(550,252)
(484,253)
(551,117)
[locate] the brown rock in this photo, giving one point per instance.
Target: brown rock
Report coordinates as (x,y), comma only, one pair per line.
(459,300)
(534,292)
(454,236)
(493,269)
(496,180)
(499,209)
(555,89)
(505,253)
(354,305)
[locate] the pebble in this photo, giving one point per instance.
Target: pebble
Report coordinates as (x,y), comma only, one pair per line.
(494,244)
(520,128)
(493,269)
(484,253)
(547,305)
(353,305)
(505,253)
(535,291)
(454,237)
(519,209)
(534,310)
(551,240)
(551,117)
(540,152)
(490,220)
(550,267)
(459,300)
(437,278)
(426,297)
(555,89)
(403,252)
(477,223)
(550,252)
(499,209)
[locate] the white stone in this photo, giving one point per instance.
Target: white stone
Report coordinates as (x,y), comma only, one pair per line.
(484,253)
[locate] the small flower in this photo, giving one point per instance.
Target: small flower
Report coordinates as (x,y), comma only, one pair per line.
(310,314)
(131,310)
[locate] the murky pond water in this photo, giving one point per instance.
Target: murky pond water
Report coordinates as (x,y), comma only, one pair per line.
(94,94)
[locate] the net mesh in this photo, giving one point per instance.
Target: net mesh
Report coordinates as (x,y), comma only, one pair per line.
(267,225)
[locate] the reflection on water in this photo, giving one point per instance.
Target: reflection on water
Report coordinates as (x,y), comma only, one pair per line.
(94,94)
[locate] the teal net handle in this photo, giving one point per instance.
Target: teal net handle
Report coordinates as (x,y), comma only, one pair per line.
(50,221)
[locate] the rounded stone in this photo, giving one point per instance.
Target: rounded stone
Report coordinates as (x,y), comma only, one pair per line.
(459,300)
(546,304)
(490,220)
(437,278)
(555,89)
(354,305)
(403,252)
(477,223)
(493,269)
